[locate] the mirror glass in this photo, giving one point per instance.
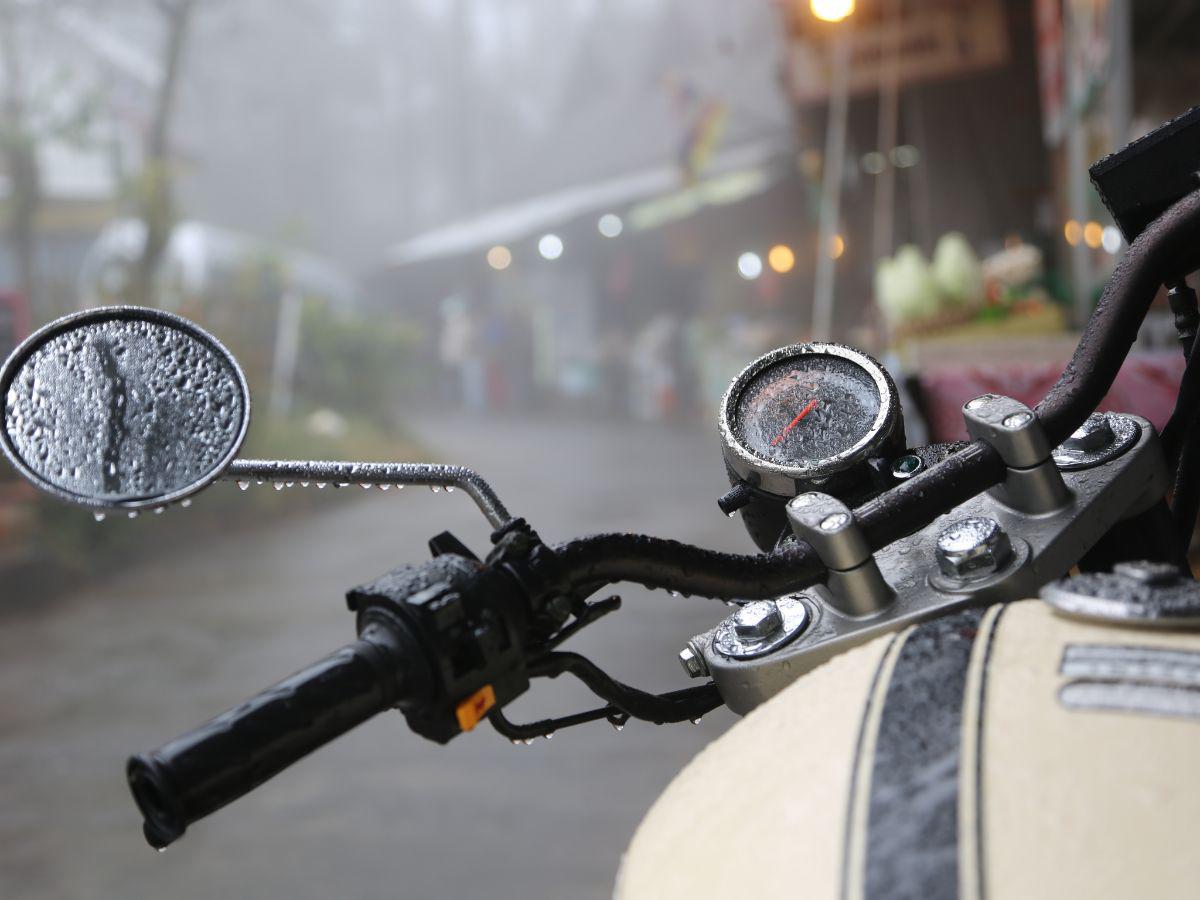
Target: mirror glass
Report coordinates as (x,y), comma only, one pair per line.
(122,407)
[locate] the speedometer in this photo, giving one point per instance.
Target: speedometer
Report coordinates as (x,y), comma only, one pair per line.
(806,412)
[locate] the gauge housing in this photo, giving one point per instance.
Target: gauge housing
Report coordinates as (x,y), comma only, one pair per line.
(788,480)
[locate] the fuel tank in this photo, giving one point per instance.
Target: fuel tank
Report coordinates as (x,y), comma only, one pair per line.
(1005,752)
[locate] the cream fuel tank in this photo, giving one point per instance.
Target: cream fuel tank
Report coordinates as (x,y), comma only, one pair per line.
(968,669)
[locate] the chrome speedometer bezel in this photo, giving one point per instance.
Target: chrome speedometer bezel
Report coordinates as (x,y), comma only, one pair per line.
(787,481)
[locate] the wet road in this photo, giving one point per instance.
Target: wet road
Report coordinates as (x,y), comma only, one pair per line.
(380,812)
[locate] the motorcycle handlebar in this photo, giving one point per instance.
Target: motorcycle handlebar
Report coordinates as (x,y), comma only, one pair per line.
(199,772)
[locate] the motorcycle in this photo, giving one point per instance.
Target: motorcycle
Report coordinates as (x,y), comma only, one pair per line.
(930,730)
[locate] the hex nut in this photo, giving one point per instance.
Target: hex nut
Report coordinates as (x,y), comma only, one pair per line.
(972,548)
(693,663)
(757,621)
(1094,434)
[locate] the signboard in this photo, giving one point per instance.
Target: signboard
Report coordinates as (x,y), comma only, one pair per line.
(934,39)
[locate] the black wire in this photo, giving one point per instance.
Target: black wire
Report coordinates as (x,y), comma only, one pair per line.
(674,706)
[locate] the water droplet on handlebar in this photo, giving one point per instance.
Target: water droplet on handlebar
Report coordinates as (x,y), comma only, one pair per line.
(673,592)
(342,484)
(435,488)
(366,485)
(730,515)
(399,487)
(304,484)
(384,487)
(527,741)
(320,485)
(449,489)
(549,735)
(161,849)
(696,721)
(159,510)
(185,503)
(133,514)
(243,485)
(289,484)
(99,517)
(618,726)
(279,485)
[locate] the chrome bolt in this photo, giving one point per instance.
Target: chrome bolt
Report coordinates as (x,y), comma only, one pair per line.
(1148,572)
(1093,435)
(693,663)
(972,548)
(757,621)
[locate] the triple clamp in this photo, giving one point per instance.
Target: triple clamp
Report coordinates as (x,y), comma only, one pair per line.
(1033,483)
(827,525)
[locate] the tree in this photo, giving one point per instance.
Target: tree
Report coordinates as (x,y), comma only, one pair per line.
(153,188)
(18,145)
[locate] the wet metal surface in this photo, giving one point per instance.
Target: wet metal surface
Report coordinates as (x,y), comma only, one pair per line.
(380,812)
(122,407)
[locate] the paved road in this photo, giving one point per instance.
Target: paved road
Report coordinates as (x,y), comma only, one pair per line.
(379,813)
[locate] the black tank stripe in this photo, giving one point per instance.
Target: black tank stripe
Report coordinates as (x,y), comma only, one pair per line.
(912,825)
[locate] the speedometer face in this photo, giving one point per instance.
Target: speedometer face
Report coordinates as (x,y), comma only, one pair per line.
(807,412)
(808,408)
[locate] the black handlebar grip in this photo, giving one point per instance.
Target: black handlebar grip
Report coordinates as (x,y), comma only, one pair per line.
(230,755)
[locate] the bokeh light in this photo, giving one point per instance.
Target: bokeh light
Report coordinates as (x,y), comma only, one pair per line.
(550,246)
(610,225)
(831,10)
(781,258)
(749,265)
(1073,232)
(837,246)
(1093,234)
(499,257)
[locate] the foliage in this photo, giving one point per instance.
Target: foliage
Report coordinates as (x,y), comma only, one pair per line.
(353,364)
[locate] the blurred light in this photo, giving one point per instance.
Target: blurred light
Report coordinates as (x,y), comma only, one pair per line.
(749,265)
(1093,233)
(810,162)
(1073,232)
(905,156)
(550,246)
(499,257)
(837,246)
(873,163)
(831,10)
(781,258)
(1013,241)
(610,225)
(1110,240)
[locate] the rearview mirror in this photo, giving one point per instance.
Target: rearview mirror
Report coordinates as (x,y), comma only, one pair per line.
(122,408)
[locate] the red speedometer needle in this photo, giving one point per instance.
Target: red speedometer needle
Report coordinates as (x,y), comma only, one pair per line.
(796,421)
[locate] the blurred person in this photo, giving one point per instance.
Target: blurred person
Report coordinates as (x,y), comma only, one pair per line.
(652,362)
(459,349)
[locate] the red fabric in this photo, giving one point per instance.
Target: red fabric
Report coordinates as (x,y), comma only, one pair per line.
(1146,385)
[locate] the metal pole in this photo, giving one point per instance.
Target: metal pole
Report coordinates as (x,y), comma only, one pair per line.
(831,186)
(1077,164)
(287,347)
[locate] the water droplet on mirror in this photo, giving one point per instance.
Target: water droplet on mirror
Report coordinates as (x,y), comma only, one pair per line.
(186,503)
(99,517)
(133,514)
(159,510)
(243,485)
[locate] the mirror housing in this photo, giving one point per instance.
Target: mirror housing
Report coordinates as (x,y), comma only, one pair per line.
(122,408)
